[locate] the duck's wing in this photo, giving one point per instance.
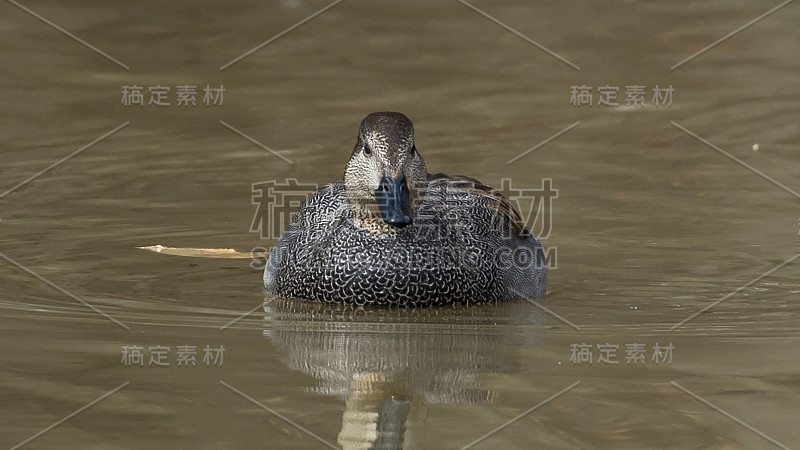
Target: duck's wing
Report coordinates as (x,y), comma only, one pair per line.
(486,195)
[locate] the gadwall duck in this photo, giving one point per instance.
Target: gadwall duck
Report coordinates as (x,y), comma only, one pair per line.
(392,234)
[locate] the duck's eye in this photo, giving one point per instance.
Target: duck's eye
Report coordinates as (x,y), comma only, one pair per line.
(367,150)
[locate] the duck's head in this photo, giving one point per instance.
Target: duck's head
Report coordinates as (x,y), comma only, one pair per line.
(385,173)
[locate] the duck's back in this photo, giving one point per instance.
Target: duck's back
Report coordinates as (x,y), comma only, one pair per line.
(465,246)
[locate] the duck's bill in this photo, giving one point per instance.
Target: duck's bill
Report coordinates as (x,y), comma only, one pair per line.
(394,201)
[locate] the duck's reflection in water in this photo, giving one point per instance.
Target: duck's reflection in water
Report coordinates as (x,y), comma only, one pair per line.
(389,364)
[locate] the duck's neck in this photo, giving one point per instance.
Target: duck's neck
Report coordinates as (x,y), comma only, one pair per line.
(367,216)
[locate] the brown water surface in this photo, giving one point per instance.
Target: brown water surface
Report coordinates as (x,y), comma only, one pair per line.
(650,225)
